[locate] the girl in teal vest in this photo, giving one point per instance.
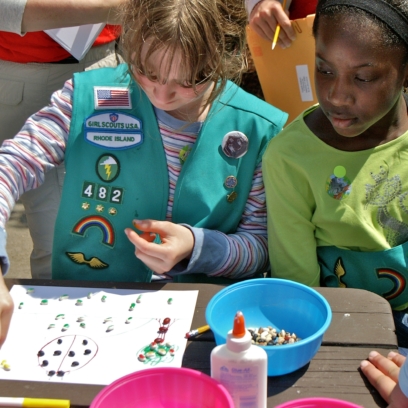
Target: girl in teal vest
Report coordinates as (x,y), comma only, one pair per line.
(339,172)
(165,143)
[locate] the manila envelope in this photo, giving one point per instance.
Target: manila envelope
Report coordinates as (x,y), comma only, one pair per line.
(287,76)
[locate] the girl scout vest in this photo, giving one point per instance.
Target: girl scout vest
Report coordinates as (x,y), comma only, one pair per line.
(381,272)
(116,171)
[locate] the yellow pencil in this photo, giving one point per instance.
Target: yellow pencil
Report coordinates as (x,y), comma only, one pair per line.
(198,331)
(33,402)
(275,38)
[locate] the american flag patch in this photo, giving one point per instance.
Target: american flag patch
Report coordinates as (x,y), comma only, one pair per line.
(110,97)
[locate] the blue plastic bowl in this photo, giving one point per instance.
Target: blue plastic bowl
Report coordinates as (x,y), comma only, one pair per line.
(282,304)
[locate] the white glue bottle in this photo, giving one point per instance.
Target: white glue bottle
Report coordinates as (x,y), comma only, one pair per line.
(241,367)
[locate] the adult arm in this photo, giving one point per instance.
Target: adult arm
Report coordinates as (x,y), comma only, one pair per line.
(11,15)
(239,255)
(290,204)
(21,16)
(46,14)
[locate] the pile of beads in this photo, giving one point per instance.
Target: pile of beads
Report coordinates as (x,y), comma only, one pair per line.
(154,350)
(269,336)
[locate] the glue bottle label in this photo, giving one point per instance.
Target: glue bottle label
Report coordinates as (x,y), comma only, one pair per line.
(242,383)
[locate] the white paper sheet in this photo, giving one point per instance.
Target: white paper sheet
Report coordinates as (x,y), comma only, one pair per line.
(112,354)
(76,40)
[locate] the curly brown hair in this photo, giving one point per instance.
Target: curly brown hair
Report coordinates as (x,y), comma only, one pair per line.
(208,34)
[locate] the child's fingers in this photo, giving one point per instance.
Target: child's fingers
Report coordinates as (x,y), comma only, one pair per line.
(148,253)
(397,358)
(148,236)
(144,245)
(141,240)
(385,365)
(150,226)
(177,243)
(378,379)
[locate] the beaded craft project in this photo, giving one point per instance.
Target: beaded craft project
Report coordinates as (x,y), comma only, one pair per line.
(94,336)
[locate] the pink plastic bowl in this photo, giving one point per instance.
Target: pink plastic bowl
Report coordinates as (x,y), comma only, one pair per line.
(164,387)
(318,403)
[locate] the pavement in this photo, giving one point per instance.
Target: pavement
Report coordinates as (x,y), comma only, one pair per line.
(19,244)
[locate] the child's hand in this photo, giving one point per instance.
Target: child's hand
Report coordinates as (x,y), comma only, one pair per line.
(264,18)
(382,372)
(177,244)
(6,310)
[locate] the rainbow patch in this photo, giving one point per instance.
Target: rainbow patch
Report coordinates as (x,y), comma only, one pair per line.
(397,279)
(108,233)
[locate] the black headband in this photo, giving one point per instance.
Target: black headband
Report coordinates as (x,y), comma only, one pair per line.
(384,11)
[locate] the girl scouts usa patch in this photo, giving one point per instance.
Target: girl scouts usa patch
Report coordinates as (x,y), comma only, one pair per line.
(114,130)
(338,185)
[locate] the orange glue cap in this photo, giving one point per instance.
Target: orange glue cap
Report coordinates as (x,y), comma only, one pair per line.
(239,325)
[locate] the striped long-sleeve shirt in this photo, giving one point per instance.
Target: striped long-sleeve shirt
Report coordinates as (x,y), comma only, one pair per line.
(41,143)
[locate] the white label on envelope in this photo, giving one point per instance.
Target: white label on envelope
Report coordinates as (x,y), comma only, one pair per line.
(305,88)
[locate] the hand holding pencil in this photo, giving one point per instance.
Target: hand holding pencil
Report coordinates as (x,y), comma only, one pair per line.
(278,28)
(267,16)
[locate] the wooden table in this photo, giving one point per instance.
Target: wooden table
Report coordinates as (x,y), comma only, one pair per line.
(362,321)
